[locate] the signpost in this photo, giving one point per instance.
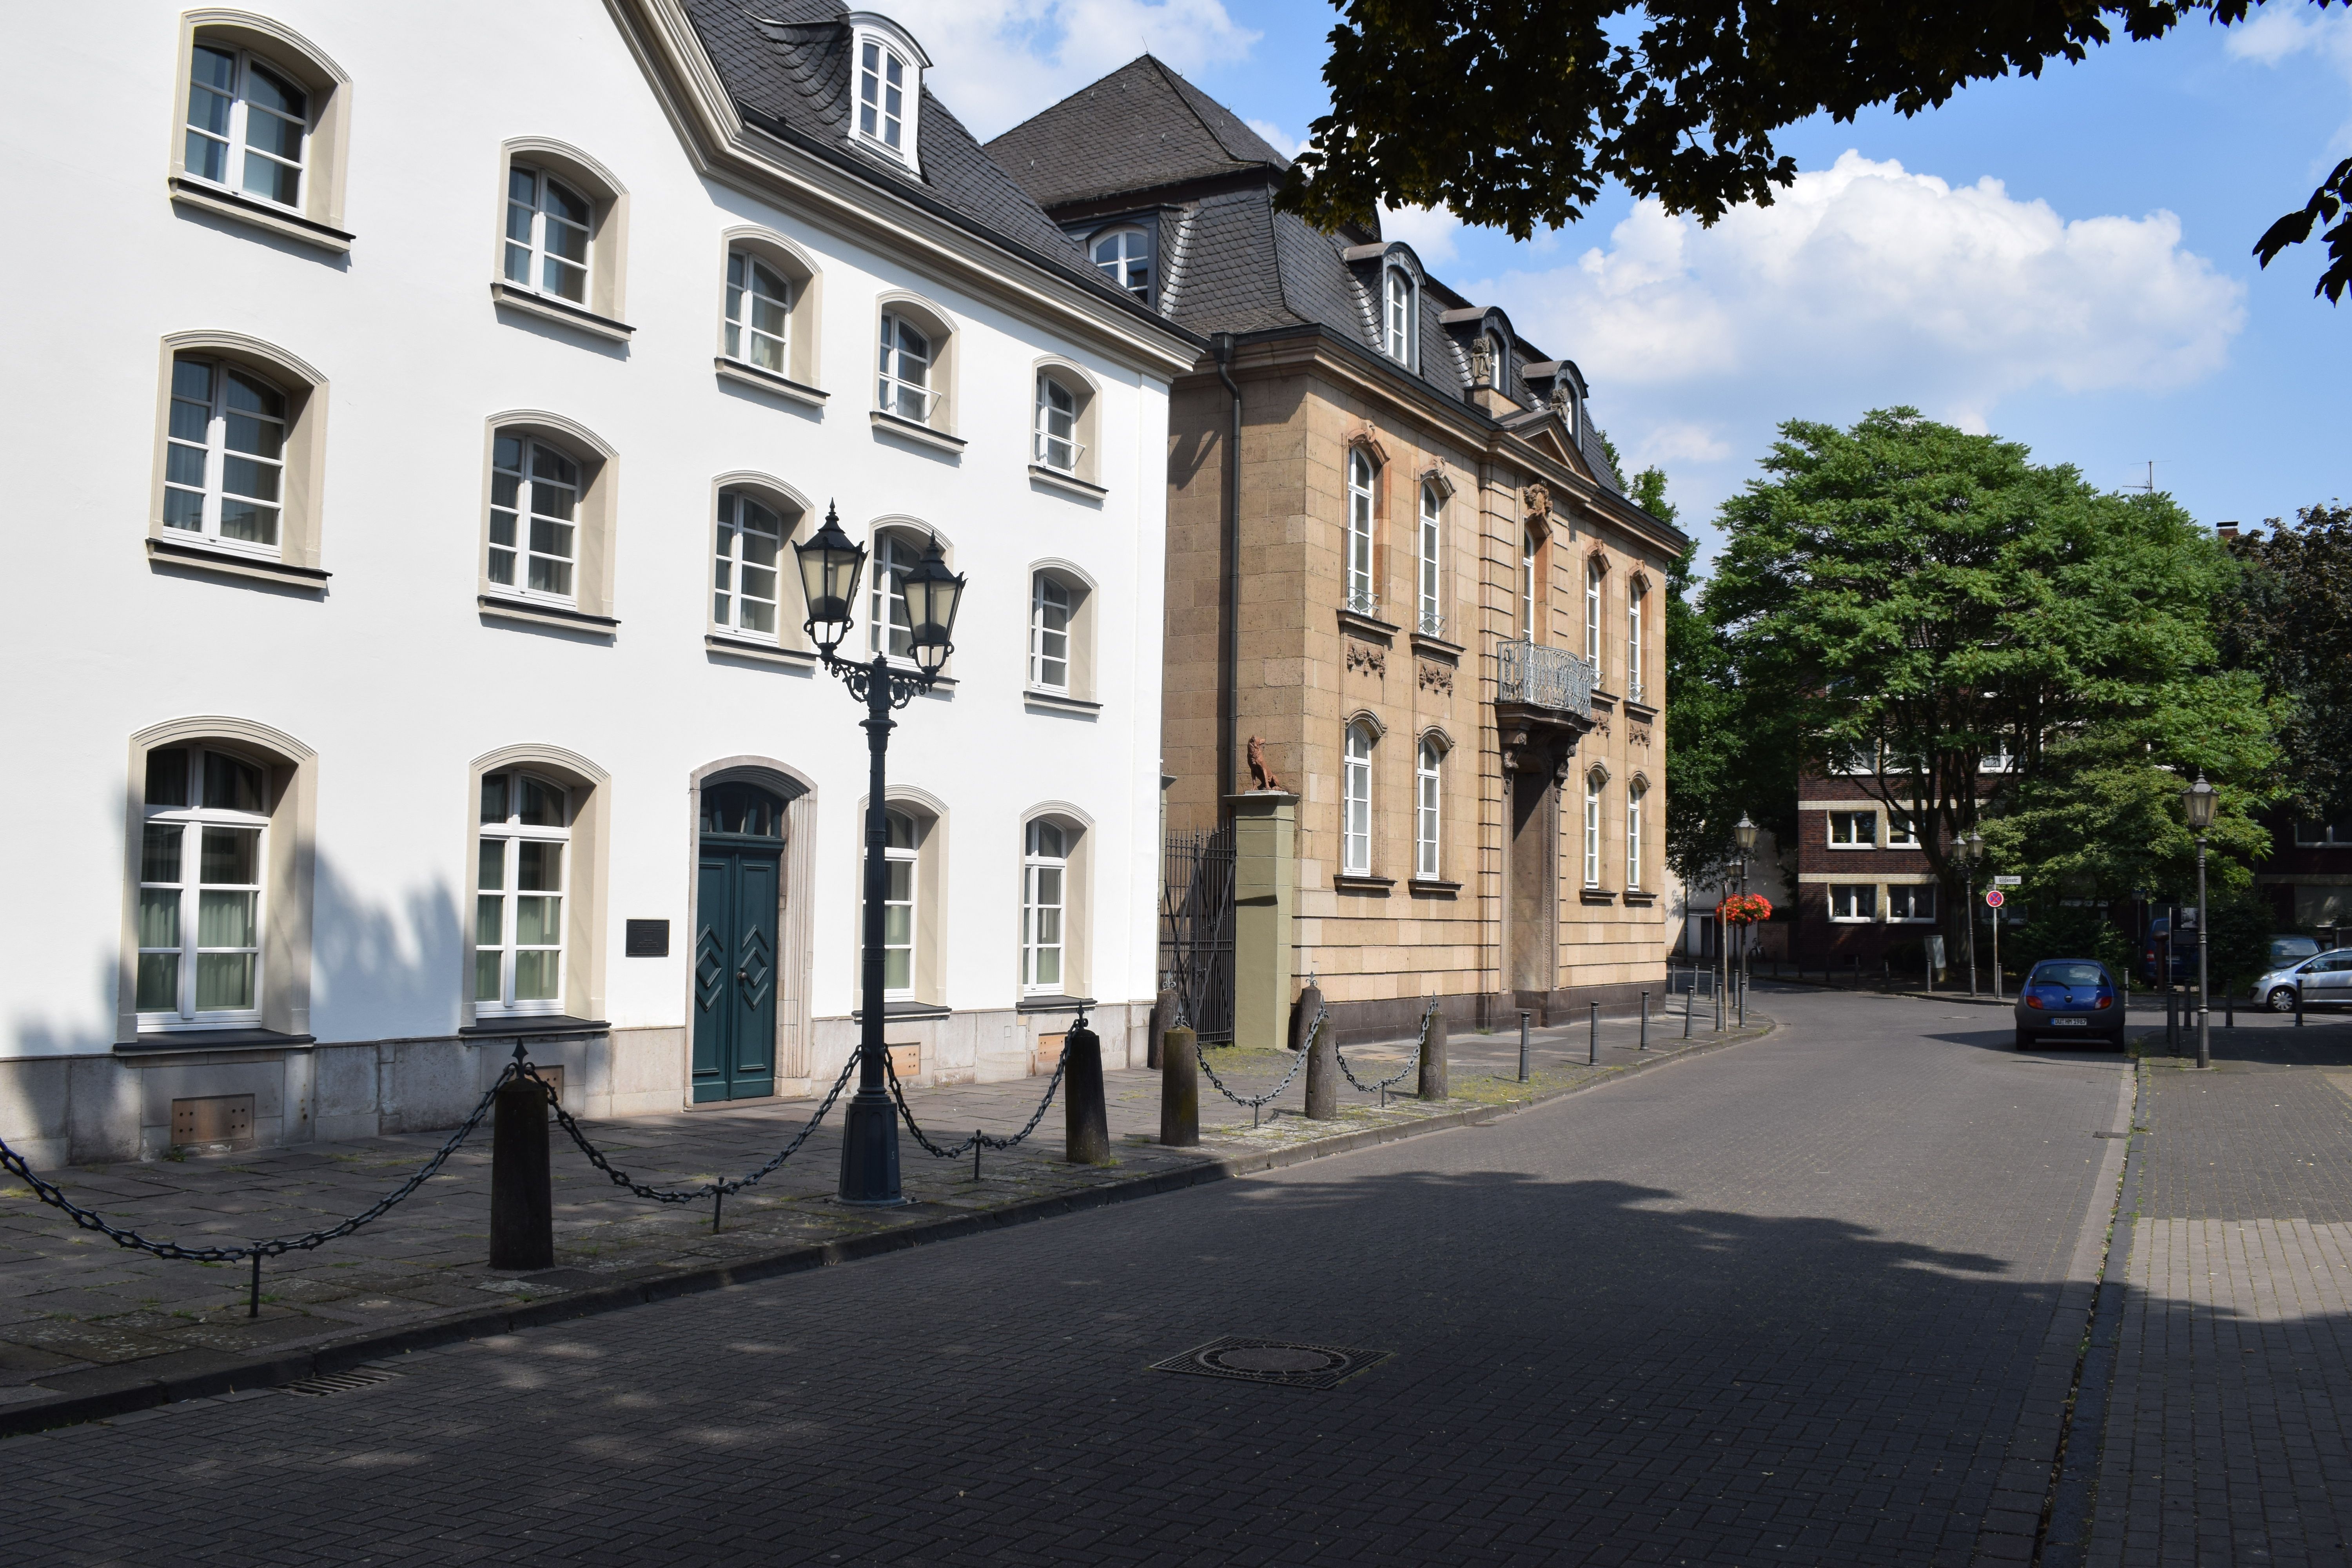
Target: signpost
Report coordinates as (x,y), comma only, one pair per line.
(1994,898)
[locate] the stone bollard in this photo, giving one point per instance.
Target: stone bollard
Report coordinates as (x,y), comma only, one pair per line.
(1323,1073)
(1163,1018)
(1179,1089)
(1432,1061)
(522,1197)
(1086,1135)
(1302,1013)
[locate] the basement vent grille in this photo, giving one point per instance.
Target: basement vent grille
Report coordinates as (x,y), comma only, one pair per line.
(328,1382)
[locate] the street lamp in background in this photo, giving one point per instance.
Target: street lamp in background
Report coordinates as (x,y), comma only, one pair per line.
(2197,800)
(1972,850)
(1744,833)
(831,564)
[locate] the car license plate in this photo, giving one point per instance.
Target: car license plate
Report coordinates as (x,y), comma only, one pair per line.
(2071,1023)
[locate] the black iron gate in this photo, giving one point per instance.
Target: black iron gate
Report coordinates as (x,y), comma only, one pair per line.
(1196,933)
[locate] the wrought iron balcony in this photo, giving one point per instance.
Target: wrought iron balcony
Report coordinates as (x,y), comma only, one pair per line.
(1539,676)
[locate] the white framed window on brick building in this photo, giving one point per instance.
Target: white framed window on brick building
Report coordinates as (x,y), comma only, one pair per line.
(1854,901)
(1853,829)
(1911,901)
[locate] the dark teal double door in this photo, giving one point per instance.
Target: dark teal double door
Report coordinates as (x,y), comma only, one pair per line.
(736,968)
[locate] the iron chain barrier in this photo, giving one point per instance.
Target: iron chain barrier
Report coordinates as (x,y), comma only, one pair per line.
(1382,1085)
(1253,1102)
(979,1139)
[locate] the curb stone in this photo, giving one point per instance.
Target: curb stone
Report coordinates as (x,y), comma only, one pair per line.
(101,1392)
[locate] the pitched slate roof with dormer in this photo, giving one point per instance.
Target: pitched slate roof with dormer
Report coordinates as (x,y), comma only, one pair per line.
(1230,261)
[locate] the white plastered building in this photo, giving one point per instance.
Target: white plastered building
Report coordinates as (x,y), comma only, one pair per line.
(412,420)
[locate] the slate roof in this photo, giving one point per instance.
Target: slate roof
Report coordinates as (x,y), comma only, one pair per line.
(1230,262)
(786,64)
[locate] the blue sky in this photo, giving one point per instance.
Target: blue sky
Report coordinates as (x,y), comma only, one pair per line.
(2064,262)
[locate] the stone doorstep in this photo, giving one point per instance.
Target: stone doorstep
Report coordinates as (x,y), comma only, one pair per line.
(99,1393)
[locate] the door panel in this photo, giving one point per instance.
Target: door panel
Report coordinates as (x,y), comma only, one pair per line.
(735,966)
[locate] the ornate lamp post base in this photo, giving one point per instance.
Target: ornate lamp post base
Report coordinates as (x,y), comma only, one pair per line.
(869,1150)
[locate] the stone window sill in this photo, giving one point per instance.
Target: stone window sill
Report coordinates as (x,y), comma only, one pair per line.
(534,1025)
(161,1042)
(761,652)
(1053,479)
(915,1010)
(1437,648)
(920,435)
(770,382)
(1061,701)
(546,614)
(1370,625)
(260,214)
(1054,1005)
(1640,901)
(1596,895)
(1353,884)
(1641,711)
(1431,888)
(523,299)
(236,563)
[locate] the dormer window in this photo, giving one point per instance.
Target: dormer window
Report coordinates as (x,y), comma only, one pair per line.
(886,69)
(1396,338)
(881,95)
(1124,254)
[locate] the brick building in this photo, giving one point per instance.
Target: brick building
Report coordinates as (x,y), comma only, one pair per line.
(2308,877)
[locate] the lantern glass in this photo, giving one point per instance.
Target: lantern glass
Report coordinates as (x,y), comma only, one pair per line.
(933,594)
(2198,799)
(1745,832)
(831,564)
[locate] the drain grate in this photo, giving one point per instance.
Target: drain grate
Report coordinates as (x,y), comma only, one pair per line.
(328,1383)
(1249,1360)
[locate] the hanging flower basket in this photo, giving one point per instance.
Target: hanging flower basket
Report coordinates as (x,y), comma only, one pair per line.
(1746,908)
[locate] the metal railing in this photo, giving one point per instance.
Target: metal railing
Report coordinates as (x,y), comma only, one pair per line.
(1543,677)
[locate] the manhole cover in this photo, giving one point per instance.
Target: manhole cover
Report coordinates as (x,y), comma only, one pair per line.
(1272,1361)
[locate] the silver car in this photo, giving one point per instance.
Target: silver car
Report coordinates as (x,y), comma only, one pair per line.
(2323,979)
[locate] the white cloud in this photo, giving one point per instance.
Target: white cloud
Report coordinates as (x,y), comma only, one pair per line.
(997,62)
(1429,230)
(2273,34)
(1677,443)
(1278,138)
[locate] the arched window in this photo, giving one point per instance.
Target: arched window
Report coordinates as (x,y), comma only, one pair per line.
(1433,609)
(1044,894)
(548,226)
(1362,596)
(1634,800)
(903,386)
(225,454)
(1530,585)
(1593,574)
(1124,254)
(744,591)
(518,893)
(889,630)
(534,516)
(1356,796)
(1428,799)
(759,313)
(202,868)
(1592,783)
(901,843)
(882,96)
(1636,599)
(1057,446)
(1049,633)
(248,125)
(1396,336)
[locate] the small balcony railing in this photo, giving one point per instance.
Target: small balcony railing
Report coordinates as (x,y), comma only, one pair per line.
(1543,677)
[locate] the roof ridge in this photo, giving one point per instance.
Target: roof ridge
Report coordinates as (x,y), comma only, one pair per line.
(1199,104)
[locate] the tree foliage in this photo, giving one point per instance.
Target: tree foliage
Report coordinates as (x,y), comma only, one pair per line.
(2290,621)
(1515,113)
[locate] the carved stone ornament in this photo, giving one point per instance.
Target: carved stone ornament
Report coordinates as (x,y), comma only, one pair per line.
(1436,677)
(1600,722)
(1638,733)
(1482,364)
(1364,656)
(1537,500)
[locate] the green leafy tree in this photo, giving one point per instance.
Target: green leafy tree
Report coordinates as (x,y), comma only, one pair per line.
(2290,621)
(1515,113)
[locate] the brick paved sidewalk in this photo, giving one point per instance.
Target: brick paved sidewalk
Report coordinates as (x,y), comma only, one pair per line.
(80,1316)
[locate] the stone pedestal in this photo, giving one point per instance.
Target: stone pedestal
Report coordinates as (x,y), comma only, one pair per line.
(1266,887)
(1179,1090)
(1322,1071)
(1432,1061)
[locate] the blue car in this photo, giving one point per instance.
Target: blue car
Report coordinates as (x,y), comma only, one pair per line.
(2071,997)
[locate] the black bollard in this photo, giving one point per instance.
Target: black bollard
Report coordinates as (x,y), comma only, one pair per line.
(1179,1089)
(1523,1045)
(1086,1127)
(2298,1001)
(1322,1071)
(1645,1021)
(522,1197)
(1432,1061)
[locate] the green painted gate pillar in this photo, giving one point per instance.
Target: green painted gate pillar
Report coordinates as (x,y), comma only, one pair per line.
(1265,888)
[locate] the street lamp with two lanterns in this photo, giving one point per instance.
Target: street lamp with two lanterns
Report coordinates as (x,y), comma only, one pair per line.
(2197,801)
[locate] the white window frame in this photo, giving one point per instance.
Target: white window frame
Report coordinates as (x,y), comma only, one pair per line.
(909,855)
(1635,690)
(1530,552)
(234,137)
(900,374)
(1398,296)
(1130,264)
(521,513)
(1860,829)
(748,312)
(1356,802)
(504,837)
(1862,901)
(736,572)
(212,454)
(1902,831)
(2320,834)
(1359,579)
(531,249)
(1593,579)
(1909,893)
(1433,605)
(1049,645)
(2000,762)
(1592,783)
(1634,795)
(1056,427)
(1429,806)
(873,124)
(1038,865)
(189,952)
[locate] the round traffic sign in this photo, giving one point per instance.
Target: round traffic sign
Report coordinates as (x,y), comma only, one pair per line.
(1994,898)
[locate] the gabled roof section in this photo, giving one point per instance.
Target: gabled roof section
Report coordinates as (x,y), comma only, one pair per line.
(1141,128)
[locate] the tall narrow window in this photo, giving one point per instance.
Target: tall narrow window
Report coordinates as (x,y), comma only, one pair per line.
(225,454)
(200,893)
(1362,598)
(1593,580)
(751,535)
(1592,830)
(1057,426)
(898,906)
(1397,334)
(1633,805)
(1427,798)
(1049,634)
(1045,873)
(1124,256)
(759,310)
(534,516)
(547,234)
(903,386)
(1635,601)
(1433,610)
(1530,553)
(519,892)
(246,126)
(881,95)
(1356,793)
(889,630)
